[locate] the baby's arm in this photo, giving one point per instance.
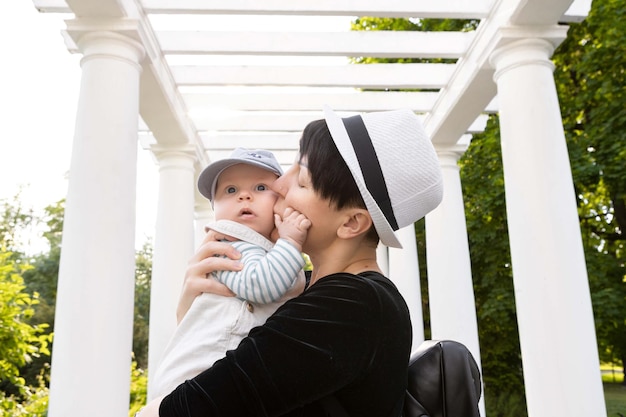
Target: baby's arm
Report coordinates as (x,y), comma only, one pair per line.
(267,276)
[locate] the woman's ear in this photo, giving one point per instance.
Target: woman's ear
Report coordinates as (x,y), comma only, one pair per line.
(356,222)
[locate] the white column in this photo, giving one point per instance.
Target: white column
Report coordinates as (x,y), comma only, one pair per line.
(382,258)
(94,308)
(173,244)
(450,287)
(405,273)
(204,215)
(557,334)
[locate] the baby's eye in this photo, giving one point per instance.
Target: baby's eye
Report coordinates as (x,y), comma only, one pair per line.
(261,187)
(231,190)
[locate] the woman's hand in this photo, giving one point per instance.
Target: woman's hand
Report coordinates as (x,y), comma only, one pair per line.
(208,258)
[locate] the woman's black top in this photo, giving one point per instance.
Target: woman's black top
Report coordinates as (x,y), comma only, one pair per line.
(349,335)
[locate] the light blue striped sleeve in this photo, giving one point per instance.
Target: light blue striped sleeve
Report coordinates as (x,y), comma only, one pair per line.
(266,276)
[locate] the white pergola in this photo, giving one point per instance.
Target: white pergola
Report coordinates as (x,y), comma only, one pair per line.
(192,79)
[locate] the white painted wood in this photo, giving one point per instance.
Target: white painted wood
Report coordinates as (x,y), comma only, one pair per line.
(266,140)
(351,101)
(256,121)
(405,273)
(94,306)
(173,245)
(384,44)
(441,9)
(449,9)
(450,288)
(549,273)
(374,76)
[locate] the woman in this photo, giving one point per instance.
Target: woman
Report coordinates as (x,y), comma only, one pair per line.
(344,343)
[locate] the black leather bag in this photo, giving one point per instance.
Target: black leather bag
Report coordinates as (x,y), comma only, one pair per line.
(444,381)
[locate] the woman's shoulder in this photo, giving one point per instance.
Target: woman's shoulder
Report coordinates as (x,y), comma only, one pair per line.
(370,287)
(368,279)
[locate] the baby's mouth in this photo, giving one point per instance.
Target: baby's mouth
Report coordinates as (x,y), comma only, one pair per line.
(246,212)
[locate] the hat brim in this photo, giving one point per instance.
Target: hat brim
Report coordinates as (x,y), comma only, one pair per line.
(208,178)
(344,145)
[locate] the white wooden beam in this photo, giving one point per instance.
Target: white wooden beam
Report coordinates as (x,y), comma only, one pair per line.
(448,9)
(384,44)
(266,140)
(441,9)
(312,101)
(254,121)
(373,76)
(294,122)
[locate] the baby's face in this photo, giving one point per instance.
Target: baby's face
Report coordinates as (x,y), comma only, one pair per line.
(243,195)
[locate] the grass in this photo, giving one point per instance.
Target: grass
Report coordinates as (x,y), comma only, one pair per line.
(614,390)
(615,397)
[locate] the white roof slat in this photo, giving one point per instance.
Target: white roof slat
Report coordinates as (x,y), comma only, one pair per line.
(373,76)
(293,122)
(577,11)
(441,9)
(311,101)
(254,121)
(384,44)
(52,6)
(252,140)
(445,9)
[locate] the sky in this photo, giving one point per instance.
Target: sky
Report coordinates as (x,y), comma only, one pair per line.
(39,85)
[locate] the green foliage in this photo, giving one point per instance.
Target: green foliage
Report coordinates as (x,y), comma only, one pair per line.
(26,320)
(32,402)
(15,220)
(434,25)
(138,389)
(143,275)
(502,403)
(20,341)
(42,279)
(591,83)
(483,190)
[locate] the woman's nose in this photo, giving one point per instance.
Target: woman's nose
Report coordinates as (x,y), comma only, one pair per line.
(278,186)
(281,184)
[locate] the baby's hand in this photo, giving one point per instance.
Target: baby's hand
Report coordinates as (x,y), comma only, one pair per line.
(292,226)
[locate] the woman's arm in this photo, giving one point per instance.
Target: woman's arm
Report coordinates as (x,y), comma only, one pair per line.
(313,345)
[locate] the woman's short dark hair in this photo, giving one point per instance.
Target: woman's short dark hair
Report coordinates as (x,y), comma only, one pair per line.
(330,176)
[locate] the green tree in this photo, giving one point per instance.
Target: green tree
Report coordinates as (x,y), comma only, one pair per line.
(143,275)
(33,281)
(20,341)
(15,220)
(42,279)
(591,82)
(482,179)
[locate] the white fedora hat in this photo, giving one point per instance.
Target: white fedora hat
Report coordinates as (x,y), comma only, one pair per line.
(394,165)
